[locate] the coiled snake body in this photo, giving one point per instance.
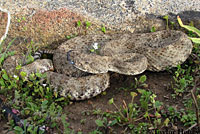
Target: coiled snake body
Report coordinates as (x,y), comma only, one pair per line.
(82,63)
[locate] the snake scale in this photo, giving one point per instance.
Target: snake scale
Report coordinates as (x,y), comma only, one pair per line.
(82,63)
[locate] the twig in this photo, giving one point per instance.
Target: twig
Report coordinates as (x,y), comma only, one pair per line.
(196,106)
(195,101)
(194,125)
(125,107)
(7,27)
(139,119)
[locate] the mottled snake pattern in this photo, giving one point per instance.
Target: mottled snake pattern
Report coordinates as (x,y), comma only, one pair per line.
(82,64)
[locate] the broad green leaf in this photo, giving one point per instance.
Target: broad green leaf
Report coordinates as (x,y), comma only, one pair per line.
(23,18)
(2,58)
(166,122)
(29,129)
(99,123)
(111,101)
(103,29)
(60,99)
(113,122)
(166,17)
(141,91)
(183,82)
(68,36)
(25,125)
(87,24)
(18,129)
(23,74)
(44,104)
(38,75)
(158,115)
(195,40)
(133,94)
(172,23)
(79,23)
(5,76)
(143,78)
(158,104)
(190,28)
(96,132)
(153,29)
(92,50)
(2,82)
(146,115)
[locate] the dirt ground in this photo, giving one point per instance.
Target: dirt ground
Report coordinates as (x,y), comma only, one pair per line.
(79,113)
(158,83)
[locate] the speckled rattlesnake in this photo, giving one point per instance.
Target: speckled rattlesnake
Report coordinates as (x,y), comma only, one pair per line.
(82,63)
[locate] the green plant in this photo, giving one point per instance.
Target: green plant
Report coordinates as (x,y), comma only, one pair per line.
(193,34)
(151,107)
(141,82)
(167,21)
(105,123)
(103,29)
(188,117)
(131,113)
(79,23)
(71,36)
(28,58)
(27,129)
(96,132)
(145,98)
(38,102)
(67,130)
(7,83)
(88,24)
(95,48)
(153,29)
(127,113)
(157,111)
(183,79)
(172,24)
(5,54)
(25,93)
(140,128)
(190,28)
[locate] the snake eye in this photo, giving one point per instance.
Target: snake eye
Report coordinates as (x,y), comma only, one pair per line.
(68,57)
(71,62)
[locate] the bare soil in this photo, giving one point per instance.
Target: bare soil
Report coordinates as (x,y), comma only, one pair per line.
(158,83)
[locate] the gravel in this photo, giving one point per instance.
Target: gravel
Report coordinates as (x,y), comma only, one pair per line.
(50,20)
(108,11)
